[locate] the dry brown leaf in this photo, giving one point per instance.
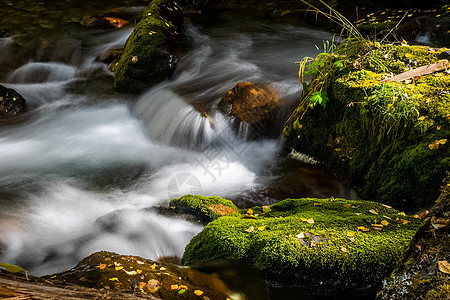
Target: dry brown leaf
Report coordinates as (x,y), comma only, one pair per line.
(142,285)
(348,205)
(387,206)
(301,235)
(101,266)
(444,266)
(343,249)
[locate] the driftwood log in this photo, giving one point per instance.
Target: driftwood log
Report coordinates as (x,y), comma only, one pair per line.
(425,70)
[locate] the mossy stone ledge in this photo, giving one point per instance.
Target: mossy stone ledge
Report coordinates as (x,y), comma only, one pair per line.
(386,139)
(313,244)
(148,57)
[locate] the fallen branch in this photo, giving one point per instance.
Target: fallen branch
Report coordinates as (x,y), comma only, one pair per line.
(429,69)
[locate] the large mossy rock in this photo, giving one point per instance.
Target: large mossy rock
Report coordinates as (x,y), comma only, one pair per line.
(425,271)
(148,57)
(388,139)
(318,245)
(110,271)
(11,103)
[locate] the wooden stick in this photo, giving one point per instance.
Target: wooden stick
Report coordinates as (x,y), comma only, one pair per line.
(429,69)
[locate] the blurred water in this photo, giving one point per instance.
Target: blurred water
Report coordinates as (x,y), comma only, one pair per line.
(83,169)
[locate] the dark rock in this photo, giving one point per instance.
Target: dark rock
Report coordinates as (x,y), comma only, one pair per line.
(420,275)
(11,103)
(111,271)
(103,22)
(112,57)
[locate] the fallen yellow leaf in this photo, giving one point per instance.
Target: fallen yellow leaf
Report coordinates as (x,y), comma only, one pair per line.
(416,217)
(373,211)
(304,219)
(114,279)
(348,205)
(362,228)
(317,204)
(138,271)
(404,221)
(184,287)
(387,217)
(162,269)
(401,214)
(350,233)
(266,208)
(343,249)
(250,211)
(153,266)
(250,229)
(198,292)
(313,244)
(377,225)
(442,141)
(119,268)
(261,228)
(444,266)
(142,285)
(387,206)
(101,266)
(174,287)
(310,221)
(14,268)
(385,223)
(301,235)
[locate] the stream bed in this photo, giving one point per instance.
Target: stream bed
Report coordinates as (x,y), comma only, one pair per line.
(84,169)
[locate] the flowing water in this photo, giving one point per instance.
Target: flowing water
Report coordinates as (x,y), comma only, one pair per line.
(86,167)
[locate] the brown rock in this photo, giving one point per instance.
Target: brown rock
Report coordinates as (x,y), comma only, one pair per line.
(11,103)
(249,102)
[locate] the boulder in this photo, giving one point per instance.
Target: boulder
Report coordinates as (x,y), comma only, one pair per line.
(249,102)
(11,103)
(425,269)
(110,271)
(386,139)
(149,53)
(318,246)
(204,209)
(255,109)
(103,22)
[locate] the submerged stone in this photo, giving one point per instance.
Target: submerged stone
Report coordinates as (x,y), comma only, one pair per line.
(11,103)
(321,246)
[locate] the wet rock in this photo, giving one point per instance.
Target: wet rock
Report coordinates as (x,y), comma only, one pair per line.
(11,103)
(149,55)
(318,246)
(254,104)
(110,271)
(249,102)
(112,57)
(103,22)
(421,274)
(204,209)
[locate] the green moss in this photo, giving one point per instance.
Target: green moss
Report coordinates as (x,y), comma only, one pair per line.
(146,59)
(204,208)
(278,252)
(440,293)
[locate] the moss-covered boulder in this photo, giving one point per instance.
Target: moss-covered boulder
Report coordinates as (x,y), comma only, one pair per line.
(388,139)
(425,271)
(318,245)
(149,54)
(204,209)
(110,271)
